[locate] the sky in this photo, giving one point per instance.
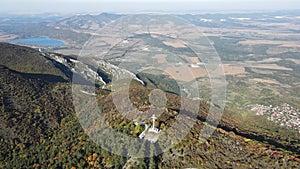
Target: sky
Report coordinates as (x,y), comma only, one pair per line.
(134,6)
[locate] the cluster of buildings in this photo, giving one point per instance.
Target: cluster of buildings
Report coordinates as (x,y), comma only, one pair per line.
(284,115)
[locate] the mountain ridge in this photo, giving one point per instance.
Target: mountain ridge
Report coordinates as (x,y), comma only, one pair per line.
(38,120)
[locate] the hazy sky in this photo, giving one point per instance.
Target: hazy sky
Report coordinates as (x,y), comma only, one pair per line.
(131,6)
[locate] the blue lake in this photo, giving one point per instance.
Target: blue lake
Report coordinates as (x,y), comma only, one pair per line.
(40,41)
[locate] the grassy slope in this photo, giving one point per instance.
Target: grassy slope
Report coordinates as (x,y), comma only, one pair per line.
(26,60)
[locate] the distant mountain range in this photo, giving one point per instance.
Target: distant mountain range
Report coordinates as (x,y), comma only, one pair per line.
(76,30)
